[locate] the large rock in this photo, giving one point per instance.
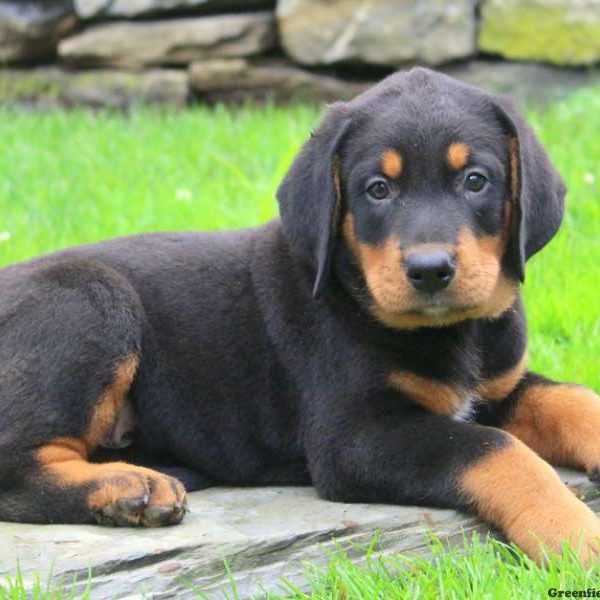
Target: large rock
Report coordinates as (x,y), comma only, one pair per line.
(563,32)
(529,83)
(90,9)
(263,533)
(30,30)
(51,87)
(237,79)
(382,32)
(172,42)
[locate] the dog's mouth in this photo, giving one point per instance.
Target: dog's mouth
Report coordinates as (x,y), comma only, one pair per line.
(439,311)
(437,305)
(436,309)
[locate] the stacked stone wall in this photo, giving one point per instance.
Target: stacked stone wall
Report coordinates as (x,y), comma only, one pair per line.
(118,52)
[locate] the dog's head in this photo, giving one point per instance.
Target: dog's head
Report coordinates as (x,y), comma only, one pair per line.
(425,197)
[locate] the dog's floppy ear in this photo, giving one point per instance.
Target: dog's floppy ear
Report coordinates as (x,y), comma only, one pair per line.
(310,197)
(537,191)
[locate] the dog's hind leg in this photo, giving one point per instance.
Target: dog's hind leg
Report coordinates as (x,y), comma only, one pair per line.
(70,345)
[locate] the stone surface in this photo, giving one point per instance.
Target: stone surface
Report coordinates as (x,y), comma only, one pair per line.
(170,42)
(527,83)
(30,30)
(382,32)
(51,87)
(564,32)
(87,9)
(263,533)
(234,80)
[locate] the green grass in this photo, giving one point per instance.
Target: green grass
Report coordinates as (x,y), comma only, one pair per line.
(481,570)
(475,569)
(16,588)
(70,178)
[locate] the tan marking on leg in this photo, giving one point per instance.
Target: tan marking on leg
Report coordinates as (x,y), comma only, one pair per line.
(500,386)
(561,423)
(391,164)
(434,396)
(108,407)
(61,450)
(119,493)
(457,155)
(517,491)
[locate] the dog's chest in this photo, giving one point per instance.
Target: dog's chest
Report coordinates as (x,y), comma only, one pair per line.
(443,375)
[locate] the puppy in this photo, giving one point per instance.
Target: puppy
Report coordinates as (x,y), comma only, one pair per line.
(371,343)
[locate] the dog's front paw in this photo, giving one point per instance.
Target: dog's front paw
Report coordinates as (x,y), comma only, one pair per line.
(543,532)
(137,497)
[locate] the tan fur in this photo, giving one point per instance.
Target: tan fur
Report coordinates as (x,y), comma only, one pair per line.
(499,387)
(479,289)
(391,164)
(64,460)
(61,450)
(108,407)
(561,423)
(517,491)
(457,155)
(436,397)
(513,150)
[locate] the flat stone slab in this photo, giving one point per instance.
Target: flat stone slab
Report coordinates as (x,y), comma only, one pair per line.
(49,87)
(238,79)
(263,533)
(139,44)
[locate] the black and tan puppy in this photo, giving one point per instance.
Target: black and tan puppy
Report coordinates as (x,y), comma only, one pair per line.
(371,343)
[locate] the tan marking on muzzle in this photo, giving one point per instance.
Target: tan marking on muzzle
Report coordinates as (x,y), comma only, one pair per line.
(381,266)
(479,289)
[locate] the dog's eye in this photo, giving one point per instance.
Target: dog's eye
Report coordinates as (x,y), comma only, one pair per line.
(379,190)
(475,182)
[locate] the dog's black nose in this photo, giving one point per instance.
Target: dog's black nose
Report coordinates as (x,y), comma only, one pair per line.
(429,271)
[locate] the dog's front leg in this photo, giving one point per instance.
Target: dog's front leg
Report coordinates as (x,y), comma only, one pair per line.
(559,421)
(379,455)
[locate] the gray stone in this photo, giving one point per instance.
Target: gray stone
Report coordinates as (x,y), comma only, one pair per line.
(170,42)
(30,30)
(91,9)
(263,533)
(530,84)
(381,32)
(563,32)
(51,87)
(235,80)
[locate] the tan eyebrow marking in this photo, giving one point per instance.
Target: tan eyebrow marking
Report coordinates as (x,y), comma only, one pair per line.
(391,163)
(457,155)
